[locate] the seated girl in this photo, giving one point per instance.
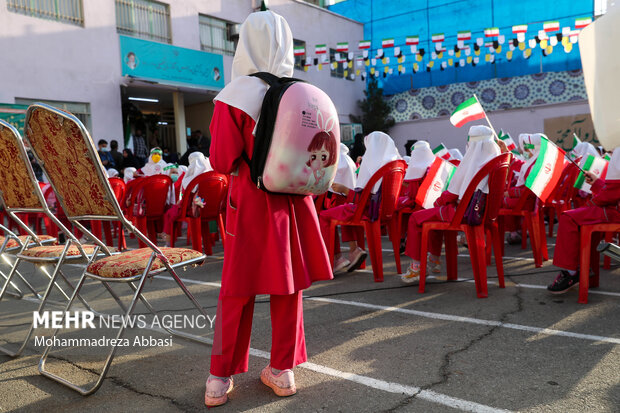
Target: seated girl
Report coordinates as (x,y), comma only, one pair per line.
(345,176)
(380,150)
(481,148)
(602,208)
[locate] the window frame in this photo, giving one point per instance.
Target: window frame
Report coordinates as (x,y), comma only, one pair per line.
(34,9)
(203,20)
(122,6)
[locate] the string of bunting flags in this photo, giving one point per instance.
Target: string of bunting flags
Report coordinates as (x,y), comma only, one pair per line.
(493,43)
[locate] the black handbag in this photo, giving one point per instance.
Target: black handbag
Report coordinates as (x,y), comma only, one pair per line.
(474,213)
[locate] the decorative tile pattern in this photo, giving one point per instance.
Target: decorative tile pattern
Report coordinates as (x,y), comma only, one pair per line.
(494,94)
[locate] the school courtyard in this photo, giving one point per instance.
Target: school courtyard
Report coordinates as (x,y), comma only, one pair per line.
(372,347)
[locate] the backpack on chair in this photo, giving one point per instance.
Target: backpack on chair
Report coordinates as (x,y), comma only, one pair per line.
(297,139)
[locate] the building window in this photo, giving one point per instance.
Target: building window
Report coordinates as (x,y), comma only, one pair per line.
(339,71)
(215,35)
(145,19)
(66,11)
(300,59)
(78,109)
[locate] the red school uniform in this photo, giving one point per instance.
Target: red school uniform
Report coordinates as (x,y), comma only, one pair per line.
(602,208)
(273,245)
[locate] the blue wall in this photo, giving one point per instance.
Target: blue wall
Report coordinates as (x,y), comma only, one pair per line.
(400,18)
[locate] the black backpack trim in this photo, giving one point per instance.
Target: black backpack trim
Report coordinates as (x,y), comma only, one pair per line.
(266,123)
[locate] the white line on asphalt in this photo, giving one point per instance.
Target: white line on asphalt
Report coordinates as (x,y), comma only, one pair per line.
(189,281)
(471,320)
(391,387)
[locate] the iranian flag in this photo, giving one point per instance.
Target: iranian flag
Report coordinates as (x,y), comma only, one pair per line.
(607,157)
(576,141)
(467,111)
(299,50)
(598,166)
(364,44)
(320,49)
(582,22)
(520,28)
(553,26)
(463,35)
(491,32)
(435,182)
(342,47)
(441,151)
(387,42)
(412,40)
(507,139)
(547,169)
(438,37)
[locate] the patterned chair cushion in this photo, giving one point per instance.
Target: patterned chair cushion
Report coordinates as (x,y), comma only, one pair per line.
(12,243)
(134,262)
(17,188)
(54,251)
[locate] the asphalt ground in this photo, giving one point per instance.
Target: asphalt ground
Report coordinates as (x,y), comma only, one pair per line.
(372,347)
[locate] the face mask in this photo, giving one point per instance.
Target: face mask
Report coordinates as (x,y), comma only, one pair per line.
(174,177)
(156,158)
(106,149)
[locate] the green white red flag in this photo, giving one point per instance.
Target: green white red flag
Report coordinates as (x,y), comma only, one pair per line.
(441,151)
(342,46)
(438,37)
(412,40)
(597,166)
(552,26)
(299,50)
(320,49)
(436,181)
(467,111)
(491,32)
(364,44)
(387,42)
(507,139)
(582,22)
(463,35)
(547,170)
(520,28)
(576,141)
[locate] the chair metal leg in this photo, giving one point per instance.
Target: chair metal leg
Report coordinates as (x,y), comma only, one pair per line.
(584,263)
(499,262)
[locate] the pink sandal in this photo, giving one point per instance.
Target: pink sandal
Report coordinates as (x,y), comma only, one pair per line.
(282,384)
(217,391)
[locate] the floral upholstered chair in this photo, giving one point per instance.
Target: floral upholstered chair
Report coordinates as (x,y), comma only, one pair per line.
(67,154)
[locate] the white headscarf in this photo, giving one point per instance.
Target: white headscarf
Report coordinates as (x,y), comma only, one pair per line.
(583,149)
(380,149)
(345,173)
(421,158)
(455,154)
(407,159)
(613,170)
(198,164)
(265,45)
(182,169)
(532,139)
(151,168)
(480,149)
(128,174)
(112,173)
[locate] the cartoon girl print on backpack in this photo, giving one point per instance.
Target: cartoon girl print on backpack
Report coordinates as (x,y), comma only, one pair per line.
(322,153)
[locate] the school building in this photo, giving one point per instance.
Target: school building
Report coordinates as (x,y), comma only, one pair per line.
(119,64)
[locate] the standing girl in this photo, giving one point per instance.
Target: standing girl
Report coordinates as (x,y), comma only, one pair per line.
(266,252)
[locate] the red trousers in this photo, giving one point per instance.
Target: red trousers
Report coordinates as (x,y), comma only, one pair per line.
(414,234)
(341,213)
(566,254)
(233,328)
(172,214)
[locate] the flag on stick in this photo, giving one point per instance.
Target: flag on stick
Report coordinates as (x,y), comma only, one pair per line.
(595,165)
(576,141)
(507,139)
(441,151)
(547,169)
(467,111)
(435,182)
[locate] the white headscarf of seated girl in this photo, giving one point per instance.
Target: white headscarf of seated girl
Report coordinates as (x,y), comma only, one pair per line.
(380,149)
(155,164)
(481,148)
(345,173)
(421,158)
(455,154)
(613,170)
(128,174)
(198,164)
(112,173)
(532,142)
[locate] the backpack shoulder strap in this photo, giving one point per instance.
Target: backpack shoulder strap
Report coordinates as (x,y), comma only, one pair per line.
(267,77)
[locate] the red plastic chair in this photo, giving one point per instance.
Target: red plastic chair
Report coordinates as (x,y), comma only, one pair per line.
(213,188)
(392,175)
(589,256)
(401,215)
(497,170)
(561,198)
(154,191)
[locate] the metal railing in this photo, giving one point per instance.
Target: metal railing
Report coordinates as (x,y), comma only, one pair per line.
(143,18)
(66,11)
(214,36)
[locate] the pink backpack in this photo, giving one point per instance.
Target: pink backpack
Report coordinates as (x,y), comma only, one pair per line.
(297,139)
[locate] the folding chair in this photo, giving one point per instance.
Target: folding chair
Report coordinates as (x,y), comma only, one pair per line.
(66,152)
(21,194)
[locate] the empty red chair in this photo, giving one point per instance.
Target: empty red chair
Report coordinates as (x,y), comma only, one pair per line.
(148,200)
(497,170)
(392,175)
